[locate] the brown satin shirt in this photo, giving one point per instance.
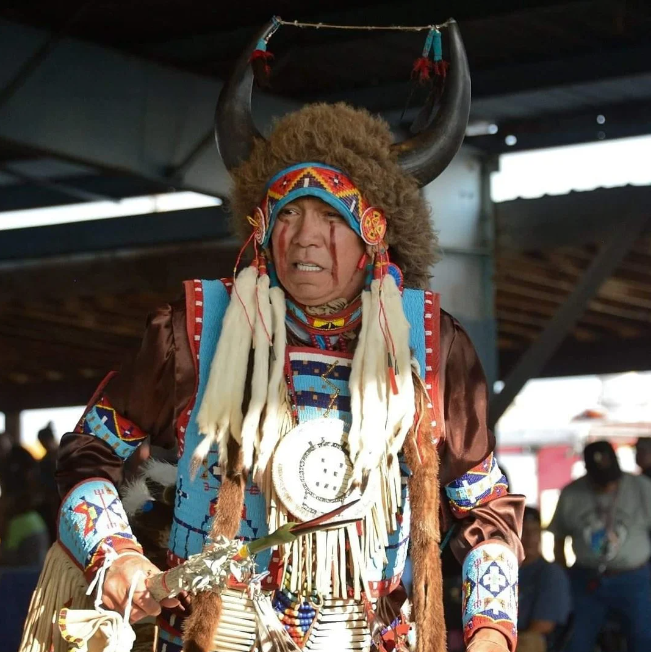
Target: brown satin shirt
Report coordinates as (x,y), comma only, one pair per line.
(157,383)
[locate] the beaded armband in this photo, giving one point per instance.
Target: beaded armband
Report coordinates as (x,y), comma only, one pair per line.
(480,485)
(489,591)
(101,420)
(92,518)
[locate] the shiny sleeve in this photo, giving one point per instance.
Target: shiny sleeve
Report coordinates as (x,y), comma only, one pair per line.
(143,399)
(486,518)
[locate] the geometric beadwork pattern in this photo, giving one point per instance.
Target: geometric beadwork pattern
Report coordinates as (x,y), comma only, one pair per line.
(169,637)
(318,383)
(478,486)
(318,387)
(196,493)
(489,590)
(103,421)
(91,516)
(297,612)
(315,180)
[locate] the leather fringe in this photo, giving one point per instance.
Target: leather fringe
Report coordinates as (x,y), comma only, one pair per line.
(61,584)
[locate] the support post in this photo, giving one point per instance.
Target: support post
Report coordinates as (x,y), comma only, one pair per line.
(12,426)
(535,358)
(487,225)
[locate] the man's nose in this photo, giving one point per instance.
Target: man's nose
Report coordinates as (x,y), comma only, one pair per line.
(308,232)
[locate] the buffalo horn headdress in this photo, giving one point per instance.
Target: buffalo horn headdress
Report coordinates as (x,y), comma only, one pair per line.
(424,156)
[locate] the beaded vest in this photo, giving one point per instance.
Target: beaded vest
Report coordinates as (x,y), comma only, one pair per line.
(317,383)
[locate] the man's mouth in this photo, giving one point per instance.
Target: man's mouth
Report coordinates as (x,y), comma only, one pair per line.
(308,267)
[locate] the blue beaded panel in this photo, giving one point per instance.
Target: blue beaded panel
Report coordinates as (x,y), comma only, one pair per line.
(196,499)
(91,513)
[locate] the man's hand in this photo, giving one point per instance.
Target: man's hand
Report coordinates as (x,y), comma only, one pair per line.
(118,581)
(487,640)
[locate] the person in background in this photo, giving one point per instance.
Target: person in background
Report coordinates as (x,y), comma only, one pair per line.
(47,466)
(5,446)
(24,539)
(544,592)
(643,455)
(606,513)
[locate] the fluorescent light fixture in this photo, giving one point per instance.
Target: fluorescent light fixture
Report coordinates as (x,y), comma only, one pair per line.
(481,128)
(102,210)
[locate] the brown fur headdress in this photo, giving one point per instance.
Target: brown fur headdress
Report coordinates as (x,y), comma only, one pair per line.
(358,144)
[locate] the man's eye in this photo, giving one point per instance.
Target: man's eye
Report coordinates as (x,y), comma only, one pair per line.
(336,216)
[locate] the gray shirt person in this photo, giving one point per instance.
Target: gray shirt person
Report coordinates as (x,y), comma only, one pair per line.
(609,530)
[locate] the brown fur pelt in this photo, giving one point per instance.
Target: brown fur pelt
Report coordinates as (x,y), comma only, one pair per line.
(357,143)
(427,585)
(200,627)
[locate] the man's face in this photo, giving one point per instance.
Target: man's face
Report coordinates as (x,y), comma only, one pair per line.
(531,538)
(316,253)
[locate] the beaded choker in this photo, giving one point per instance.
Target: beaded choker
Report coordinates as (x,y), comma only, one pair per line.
(328,330)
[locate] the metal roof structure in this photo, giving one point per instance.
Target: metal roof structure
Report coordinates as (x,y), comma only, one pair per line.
(542,72)
(543,248)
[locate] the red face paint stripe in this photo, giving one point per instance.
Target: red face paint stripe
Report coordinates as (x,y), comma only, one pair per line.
(334,268)
(279,259)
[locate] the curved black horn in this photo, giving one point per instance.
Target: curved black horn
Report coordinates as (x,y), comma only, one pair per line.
(427,155)
(234,127)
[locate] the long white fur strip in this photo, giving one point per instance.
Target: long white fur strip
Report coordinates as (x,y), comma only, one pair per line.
(243,338)
(355,380)
(260,376)
(400,416)
(220,414)
(276,388)
(374,392)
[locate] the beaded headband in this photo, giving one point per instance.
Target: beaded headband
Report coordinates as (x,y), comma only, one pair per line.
(326,183)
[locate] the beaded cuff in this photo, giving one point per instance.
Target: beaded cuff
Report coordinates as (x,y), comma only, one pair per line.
(489,591)
(91,518)
(480,485)
(103,421)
